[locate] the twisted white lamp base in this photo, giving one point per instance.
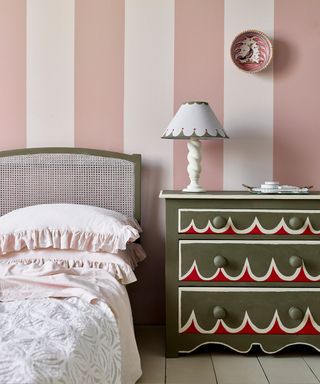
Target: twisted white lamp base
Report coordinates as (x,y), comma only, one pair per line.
(194,166)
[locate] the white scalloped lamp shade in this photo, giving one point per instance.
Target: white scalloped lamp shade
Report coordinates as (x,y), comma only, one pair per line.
(195,121)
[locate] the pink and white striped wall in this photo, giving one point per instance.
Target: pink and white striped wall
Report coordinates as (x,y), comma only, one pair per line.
(110,74)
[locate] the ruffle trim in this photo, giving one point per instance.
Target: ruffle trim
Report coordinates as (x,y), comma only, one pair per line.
(136,254)
(123,274)
(66,239)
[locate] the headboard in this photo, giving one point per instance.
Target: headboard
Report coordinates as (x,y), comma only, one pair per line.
(70,175)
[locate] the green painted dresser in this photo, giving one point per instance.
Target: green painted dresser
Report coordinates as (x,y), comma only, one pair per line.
(242,269)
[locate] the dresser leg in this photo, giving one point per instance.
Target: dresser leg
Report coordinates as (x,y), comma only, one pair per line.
(171,353)
(171,342)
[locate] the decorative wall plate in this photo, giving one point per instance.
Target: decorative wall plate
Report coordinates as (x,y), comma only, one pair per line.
(251,51)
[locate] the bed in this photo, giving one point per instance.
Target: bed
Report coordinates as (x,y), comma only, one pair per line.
(69,243)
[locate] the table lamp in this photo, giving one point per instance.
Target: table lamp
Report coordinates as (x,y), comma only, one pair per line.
(195,121)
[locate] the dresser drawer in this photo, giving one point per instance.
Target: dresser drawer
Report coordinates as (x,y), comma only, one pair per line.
(243,311)
(248,222)
(241,261)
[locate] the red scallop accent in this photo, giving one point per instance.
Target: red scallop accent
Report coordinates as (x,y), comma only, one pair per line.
(276,330)
(247,330)
(308,231)
(229,231)
(308,329)
(191,231)
(191,329)
(193,276)
(274,277)
(208,232)
(220,277)
(301,278)
(255,231)
(246,277)
(221,330)
(281,231)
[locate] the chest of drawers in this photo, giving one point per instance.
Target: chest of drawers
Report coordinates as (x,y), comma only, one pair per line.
(242,269)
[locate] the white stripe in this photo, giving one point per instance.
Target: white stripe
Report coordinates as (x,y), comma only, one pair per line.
(248,101)
(148,99)
(50,73)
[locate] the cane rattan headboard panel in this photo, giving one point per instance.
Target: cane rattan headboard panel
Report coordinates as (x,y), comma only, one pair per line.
(70,175)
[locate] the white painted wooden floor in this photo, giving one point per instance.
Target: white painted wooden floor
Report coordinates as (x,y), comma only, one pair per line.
(297,365)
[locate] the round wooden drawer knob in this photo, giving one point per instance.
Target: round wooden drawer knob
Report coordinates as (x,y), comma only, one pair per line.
(295,313)
(219,312)
(219,222)
(220,261)
(295,222)
(295,261)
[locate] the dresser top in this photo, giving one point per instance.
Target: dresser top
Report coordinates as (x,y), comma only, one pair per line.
(237,195)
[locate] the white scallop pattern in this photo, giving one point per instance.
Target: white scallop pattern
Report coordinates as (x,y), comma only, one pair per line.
(306,326)
(273,274)
(255,227)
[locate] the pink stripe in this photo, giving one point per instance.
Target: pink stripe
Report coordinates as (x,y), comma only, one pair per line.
(199,66)
(13,74)
(99,74)
(296,92)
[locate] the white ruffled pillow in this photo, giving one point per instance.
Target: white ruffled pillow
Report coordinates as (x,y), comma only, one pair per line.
(66,226)
(31,262)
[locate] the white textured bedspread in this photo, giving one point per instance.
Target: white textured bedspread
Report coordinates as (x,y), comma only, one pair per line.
(58,341)
(63,326)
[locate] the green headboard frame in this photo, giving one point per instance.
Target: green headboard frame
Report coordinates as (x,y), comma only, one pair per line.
(70,175)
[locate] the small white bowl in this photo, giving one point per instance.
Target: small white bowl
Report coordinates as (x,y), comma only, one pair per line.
(270,185)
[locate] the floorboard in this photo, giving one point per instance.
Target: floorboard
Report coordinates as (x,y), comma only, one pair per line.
(190,369)
(287,369)
(220,366)
(313,362)
(231,368)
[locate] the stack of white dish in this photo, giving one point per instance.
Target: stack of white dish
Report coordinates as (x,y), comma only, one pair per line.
(275,187)
(270,186)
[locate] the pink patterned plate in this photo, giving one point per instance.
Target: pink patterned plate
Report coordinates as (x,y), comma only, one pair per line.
(251,51)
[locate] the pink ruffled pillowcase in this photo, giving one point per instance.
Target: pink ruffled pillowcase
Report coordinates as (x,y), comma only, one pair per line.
(120,265)
(66,226)
(71,236)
